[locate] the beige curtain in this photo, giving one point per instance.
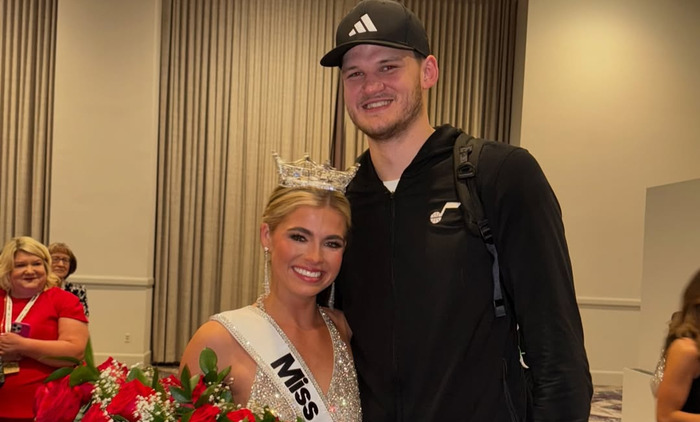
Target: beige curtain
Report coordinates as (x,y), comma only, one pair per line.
(240,79)
(27,51)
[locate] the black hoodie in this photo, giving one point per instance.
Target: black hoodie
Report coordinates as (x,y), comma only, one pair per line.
(417,291)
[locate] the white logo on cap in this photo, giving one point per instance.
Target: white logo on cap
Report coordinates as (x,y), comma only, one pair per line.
(365,24)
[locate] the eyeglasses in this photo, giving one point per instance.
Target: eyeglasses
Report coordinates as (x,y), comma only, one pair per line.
(60,259)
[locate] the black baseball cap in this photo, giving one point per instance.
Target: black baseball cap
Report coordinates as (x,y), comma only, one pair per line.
(381,22)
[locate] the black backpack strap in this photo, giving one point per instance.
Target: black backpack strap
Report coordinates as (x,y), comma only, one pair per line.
(467,150)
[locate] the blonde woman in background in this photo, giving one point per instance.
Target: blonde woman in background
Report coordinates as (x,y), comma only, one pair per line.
(39,320)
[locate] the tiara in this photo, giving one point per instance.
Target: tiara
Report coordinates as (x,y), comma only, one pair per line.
(306,173)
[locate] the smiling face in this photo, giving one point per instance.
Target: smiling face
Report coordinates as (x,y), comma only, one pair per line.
(383,89)
(306,250)
(28,275)
(60,264)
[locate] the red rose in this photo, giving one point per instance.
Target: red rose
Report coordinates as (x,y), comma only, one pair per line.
(58,401)
(107,363)
(170,381)
(124,403)
(241,415)
(96,414)
(205,413)
(119,370)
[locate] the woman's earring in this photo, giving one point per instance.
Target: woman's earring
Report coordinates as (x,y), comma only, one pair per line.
(266,279)
(331,297)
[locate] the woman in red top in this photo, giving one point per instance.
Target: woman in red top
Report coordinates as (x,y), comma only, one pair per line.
(38,321)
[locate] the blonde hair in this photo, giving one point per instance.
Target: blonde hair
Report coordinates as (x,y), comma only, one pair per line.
(686,322)
(30,246)
(284,201)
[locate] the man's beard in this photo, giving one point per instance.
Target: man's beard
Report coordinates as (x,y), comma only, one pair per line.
(384,133)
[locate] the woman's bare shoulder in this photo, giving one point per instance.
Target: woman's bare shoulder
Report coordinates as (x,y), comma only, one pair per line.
(684,353)
(684,346)
(210,335)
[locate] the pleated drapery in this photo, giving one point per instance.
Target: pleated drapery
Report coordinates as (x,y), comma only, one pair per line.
(27,57)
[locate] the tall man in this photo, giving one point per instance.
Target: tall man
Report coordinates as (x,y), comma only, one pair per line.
(418,291)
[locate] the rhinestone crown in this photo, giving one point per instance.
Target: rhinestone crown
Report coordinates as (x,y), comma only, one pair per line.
(306,173)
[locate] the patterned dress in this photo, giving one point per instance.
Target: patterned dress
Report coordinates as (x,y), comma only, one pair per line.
(79,291)
(342,399)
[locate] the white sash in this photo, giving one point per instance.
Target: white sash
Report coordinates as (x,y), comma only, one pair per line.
(255,332)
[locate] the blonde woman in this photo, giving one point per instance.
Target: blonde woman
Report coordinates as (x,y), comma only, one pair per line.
(39,320)
(285,351)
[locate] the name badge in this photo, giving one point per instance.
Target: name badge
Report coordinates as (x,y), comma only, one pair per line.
(10,368)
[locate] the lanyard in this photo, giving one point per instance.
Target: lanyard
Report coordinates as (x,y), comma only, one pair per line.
(20,317)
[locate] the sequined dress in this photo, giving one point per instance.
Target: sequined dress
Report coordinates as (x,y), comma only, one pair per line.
(342,399)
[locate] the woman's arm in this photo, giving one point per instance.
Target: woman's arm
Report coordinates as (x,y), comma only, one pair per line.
(682,367)
(229,353)
(212,335)
(71,342)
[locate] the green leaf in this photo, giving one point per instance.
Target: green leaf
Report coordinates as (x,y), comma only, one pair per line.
(227,396)
(207,361)
(180,412)
(223,374)
(119,418)
(185,380)
(59,373)
(186,417)
(154,382)
(137,373)
(158,387)
(83,374)
(194,380)
(180,395)
(210,378)
(89,356)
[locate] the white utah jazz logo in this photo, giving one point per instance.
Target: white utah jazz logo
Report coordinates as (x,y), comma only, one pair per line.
(436,217)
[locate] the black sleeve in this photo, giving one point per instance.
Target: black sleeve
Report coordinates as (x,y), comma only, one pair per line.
(537,276)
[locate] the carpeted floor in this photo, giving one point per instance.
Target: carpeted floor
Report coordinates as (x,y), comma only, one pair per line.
(607,404)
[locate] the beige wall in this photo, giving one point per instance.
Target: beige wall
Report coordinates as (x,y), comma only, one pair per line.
(610,104)
(104,163)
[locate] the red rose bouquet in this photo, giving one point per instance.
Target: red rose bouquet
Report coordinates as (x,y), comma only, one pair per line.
(113,392)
